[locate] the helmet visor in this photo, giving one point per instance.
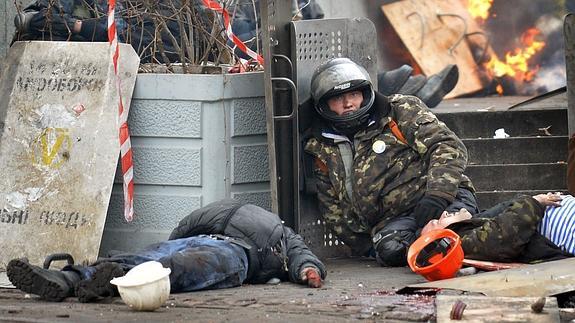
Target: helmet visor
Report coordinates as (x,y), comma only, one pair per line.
(433,252)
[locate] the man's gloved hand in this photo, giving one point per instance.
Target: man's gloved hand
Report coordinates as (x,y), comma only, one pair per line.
(429,207)
(312,276)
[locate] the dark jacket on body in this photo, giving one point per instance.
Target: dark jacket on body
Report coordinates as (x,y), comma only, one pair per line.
(276,251)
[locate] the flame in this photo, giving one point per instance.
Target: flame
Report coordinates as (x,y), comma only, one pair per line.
(479,8)
(499,89)
(516,63)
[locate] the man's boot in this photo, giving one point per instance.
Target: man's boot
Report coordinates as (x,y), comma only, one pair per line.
(22,21)
(98,285)
(413,84)
(438,85)
(51,285)
(390,82)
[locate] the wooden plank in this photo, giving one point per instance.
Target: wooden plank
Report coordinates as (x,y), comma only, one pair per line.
(497,309)
(543,279)
(490,265)
(433,32)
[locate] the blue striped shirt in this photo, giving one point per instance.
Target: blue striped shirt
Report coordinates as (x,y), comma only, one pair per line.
(558,224)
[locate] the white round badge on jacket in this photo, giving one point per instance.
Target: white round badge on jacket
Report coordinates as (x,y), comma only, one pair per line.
(378,146)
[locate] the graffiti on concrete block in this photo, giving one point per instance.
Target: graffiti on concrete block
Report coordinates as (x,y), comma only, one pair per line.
(61,77)
(65,219)
(52,147)
(13,217)
(44,84)
(68,220)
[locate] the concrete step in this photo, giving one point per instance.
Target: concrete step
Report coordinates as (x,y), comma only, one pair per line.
(517,177)
(517,123)
(517,150)
(487,199)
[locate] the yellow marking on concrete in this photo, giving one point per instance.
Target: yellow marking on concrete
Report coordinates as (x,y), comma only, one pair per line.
(50,144)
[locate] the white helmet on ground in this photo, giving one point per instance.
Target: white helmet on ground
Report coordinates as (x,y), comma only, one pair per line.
(145,287)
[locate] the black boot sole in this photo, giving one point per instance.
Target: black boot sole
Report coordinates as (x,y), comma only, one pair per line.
(413,84)
(391,81)
(29,279)
(438,85)
(99,286)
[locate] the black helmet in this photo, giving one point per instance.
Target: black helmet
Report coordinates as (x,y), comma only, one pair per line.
(338,76)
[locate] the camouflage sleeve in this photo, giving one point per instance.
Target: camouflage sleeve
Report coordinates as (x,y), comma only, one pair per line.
(504,237)
(333,214)
(434,141)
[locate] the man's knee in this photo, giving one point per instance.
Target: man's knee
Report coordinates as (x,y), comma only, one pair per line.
(393,241)
(392,251)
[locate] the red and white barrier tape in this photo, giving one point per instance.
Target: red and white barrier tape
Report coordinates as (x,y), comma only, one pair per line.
(213,5)
(125,144)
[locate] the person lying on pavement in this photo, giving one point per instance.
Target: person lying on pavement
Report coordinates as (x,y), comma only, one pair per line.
(221,245)
(524,229)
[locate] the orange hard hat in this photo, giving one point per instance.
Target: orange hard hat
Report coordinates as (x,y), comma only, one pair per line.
(436,255)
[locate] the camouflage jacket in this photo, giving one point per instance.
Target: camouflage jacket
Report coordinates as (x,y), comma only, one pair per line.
(389,175)
(507,233)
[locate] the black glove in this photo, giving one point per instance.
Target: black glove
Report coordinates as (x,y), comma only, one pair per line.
(94,30)
(429,207)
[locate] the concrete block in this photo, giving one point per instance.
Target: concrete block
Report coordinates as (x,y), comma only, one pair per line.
(261,199)
(165,118)
(59,146)
(249,117)
(196,139)
(250,164)
(167,165)
(157,211)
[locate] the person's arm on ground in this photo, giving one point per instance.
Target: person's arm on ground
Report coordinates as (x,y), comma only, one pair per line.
(304,267)
(311,275)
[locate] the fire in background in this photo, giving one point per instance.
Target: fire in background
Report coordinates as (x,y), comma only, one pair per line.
(527,37)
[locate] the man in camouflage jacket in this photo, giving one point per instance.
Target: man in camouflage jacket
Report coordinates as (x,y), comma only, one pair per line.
(384,166)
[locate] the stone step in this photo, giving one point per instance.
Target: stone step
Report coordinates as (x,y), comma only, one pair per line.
(487,199)
(517,150)
(517,123)
(516,177)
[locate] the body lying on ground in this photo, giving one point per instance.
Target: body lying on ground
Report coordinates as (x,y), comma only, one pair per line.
(525,229)
(221,245)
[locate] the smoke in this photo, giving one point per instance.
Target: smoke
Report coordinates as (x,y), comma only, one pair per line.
(552,73)
(509,19)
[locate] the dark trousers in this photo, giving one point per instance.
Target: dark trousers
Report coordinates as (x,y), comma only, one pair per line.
(399,233)
(465,199)
(199,262)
